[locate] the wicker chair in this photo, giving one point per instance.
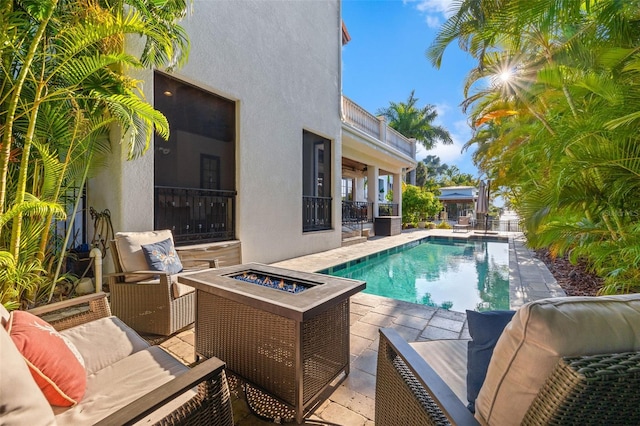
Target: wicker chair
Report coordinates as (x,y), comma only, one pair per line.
(150,305)
(210,406)
(463,225)
(594,389)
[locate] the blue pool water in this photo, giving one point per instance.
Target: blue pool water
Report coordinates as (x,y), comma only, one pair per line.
(454,275)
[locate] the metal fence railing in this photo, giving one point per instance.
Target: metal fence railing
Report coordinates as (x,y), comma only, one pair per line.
(498,225)
(316,213)
(357,212)
(195,215)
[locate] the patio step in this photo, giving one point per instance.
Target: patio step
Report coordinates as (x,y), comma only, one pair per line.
(353,240)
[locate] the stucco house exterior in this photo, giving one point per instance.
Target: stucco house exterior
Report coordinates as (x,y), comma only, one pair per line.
(262,139)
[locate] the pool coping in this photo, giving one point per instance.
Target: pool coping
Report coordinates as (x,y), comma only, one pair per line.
(529,278)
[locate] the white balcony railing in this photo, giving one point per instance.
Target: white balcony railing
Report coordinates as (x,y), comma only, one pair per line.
(376,127)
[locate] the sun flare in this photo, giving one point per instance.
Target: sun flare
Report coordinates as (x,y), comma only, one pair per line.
(505,76)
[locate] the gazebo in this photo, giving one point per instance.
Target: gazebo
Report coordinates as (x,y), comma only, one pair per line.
(458,200)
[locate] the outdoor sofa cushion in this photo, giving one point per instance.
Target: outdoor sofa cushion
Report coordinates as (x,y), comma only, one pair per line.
(485,329)
(4,316)
(104,341)
(539,334)
(123,382)
(449,359)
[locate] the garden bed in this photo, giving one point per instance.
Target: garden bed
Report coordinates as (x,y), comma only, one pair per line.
(575,280)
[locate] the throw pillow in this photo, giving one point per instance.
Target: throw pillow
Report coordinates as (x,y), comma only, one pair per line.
(162,256)
(485,329)
(54,362)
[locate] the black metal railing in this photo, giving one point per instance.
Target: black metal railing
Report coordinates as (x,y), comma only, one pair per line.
(503,225)
(316,213)
(196,215)
(61,227)
(387,209)
(357,212)
(511,225)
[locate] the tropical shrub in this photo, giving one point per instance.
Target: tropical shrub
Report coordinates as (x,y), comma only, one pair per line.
(418,204)
(444,225)
(555,104)
(63,87)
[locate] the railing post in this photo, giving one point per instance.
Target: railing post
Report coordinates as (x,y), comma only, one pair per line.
(397,192)
(372,188)
(383,128)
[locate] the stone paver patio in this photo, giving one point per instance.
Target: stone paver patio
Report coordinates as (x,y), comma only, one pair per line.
(352,402)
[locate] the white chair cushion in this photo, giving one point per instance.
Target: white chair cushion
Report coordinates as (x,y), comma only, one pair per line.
(180,290)
(123,382)
(542,332)
(448,358)
(4,315)
(130,254)
(104,341)
(177,289)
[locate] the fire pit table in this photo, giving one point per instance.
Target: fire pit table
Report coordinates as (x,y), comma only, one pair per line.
(282,331)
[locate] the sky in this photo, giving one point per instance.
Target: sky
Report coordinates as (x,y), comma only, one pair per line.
(385,60)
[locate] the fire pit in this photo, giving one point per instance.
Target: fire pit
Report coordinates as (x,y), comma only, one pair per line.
(273,281)
(292,345)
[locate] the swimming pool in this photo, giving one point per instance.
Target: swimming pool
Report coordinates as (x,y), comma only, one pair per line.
(455,275)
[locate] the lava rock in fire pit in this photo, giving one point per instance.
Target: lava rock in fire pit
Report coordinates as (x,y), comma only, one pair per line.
(277,283)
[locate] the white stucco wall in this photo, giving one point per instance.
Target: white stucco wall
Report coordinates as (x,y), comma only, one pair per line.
(280,61)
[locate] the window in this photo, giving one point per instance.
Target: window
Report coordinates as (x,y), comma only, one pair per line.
(209,171)
(316,182)
(347,189)
(194,171)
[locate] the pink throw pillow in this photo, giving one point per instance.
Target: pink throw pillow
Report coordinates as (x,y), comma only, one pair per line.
(54,362)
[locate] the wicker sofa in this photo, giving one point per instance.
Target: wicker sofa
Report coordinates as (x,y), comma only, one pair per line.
(572,360)
(127,381)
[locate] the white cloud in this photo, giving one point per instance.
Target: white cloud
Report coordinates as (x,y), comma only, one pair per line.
(434,10)
(442,110)
(432,21)
(435,6)
(449,154)
(462,127)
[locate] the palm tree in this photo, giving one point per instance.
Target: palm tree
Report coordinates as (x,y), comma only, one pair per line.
(421,174)
(560,129)
(416,123)
(64,88)
(434,166)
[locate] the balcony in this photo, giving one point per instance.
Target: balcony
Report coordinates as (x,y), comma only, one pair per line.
(376,128)
(195,215)
(316,213)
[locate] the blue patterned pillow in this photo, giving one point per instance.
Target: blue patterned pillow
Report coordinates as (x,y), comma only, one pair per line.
(162,256)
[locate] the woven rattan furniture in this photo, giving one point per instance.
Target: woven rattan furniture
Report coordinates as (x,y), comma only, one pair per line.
(165,399)
(149,305)
(463,224)
(595,389)
(293,346)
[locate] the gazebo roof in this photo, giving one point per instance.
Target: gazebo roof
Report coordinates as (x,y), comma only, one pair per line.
(457,196)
